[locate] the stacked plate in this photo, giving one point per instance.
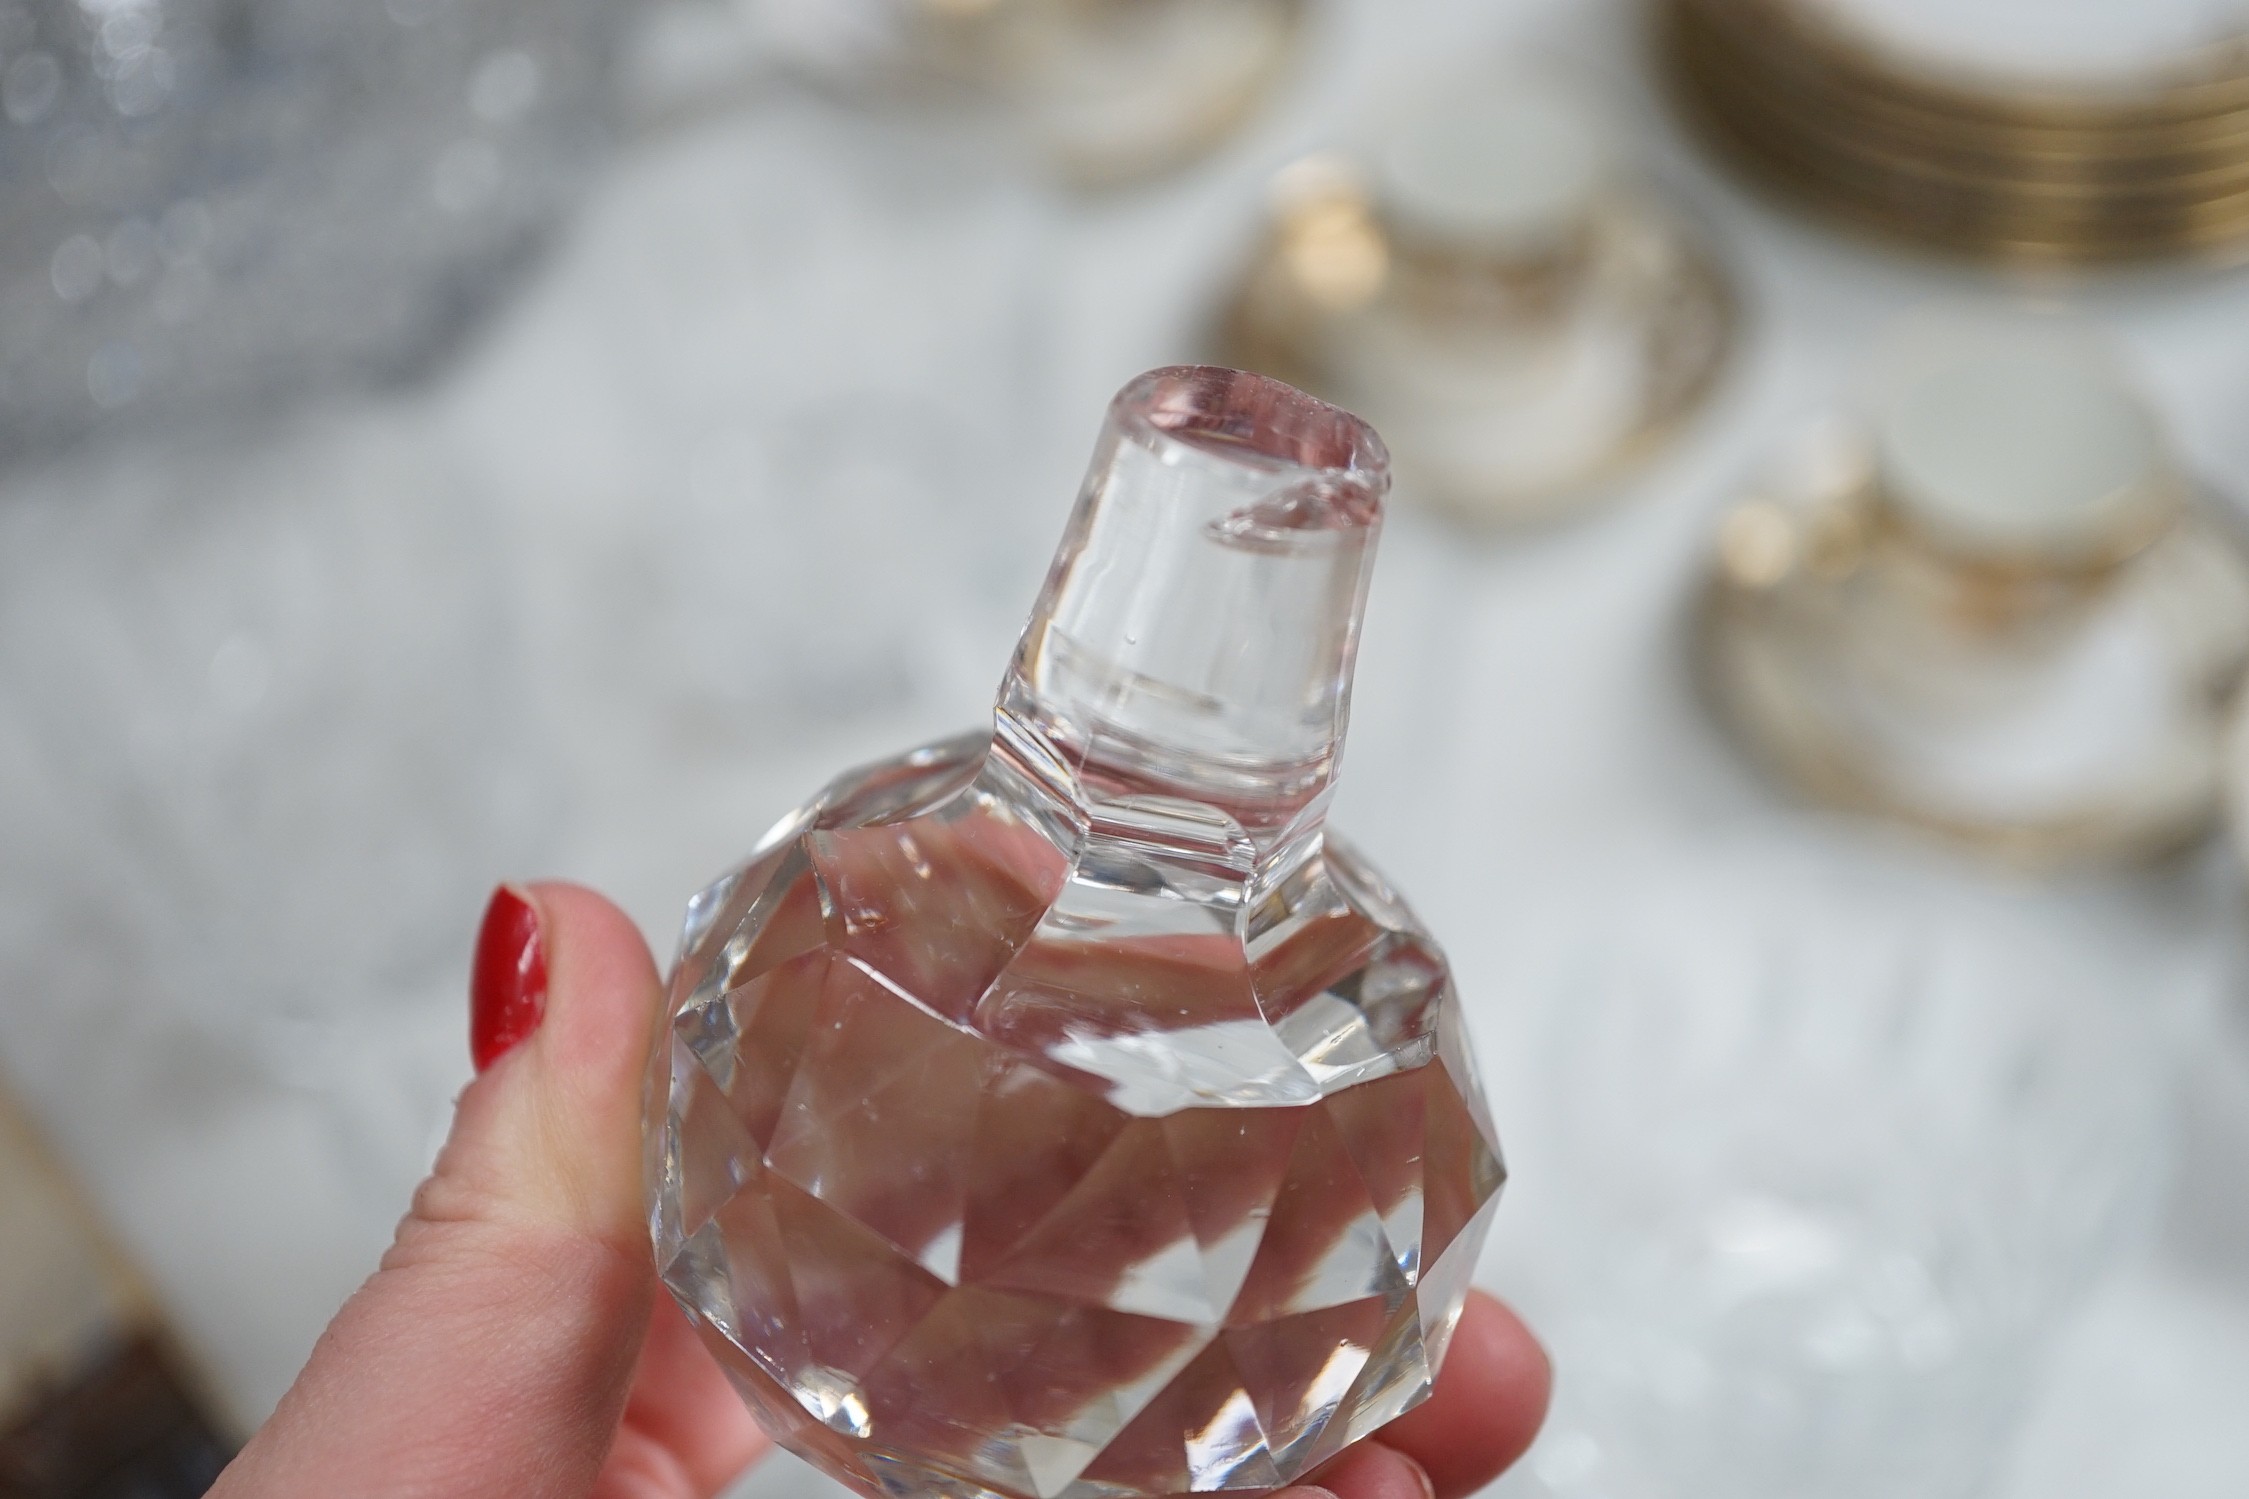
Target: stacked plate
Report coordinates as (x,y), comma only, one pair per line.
(2118,153)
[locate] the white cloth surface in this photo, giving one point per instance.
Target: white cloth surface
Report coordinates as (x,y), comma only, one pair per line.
(1522,718)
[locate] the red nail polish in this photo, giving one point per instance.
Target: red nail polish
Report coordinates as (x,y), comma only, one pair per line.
(508,985)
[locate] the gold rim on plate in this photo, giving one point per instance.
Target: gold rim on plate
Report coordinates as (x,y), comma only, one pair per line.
(2052,174)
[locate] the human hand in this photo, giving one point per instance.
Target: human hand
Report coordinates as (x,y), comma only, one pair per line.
(514,1343)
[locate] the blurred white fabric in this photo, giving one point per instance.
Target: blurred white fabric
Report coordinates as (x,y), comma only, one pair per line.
(1525,734)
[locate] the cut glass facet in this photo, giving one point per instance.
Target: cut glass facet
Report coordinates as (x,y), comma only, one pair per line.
(1060,1112)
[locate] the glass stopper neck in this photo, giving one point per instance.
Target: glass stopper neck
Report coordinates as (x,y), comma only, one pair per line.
(1196,634)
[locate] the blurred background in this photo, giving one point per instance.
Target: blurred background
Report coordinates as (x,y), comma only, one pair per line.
(445,441)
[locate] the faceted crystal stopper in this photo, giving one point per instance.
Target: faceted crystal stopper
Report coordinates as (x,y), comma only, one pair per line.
(1059,1112)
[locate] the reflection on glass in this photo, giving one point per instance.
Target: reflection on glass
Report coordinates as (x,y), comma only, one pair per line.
(2000,610)
(835,359)
(1832,1153)
(1520,316)
(264,752)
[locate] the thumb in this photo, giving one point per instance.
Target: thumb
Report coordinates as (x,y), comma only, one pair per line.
(491,1353)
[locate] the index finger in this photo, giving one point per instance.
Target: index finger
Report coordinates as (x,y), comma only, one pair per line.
(1489,1401)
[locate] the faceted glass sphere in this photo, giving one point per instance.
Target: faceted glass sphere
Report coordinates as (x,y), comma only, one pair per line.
(1061,1113)
(989,1170)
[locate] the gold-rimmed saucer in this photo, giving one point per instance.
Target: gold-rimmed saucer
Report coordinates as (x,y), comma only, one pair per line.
(1490,282)
(1997,609)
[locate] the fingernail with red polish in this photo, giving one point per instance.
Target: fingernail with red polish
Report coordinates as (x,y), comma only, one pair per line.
(508,985)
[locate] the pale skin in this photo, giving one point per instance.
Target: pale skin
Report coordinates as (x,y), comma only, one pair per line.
(514,1341)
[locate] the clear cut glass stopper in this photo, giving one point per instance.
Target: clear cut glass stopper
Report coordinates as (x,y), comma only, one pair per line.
(1196,634)
(1063,1113)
